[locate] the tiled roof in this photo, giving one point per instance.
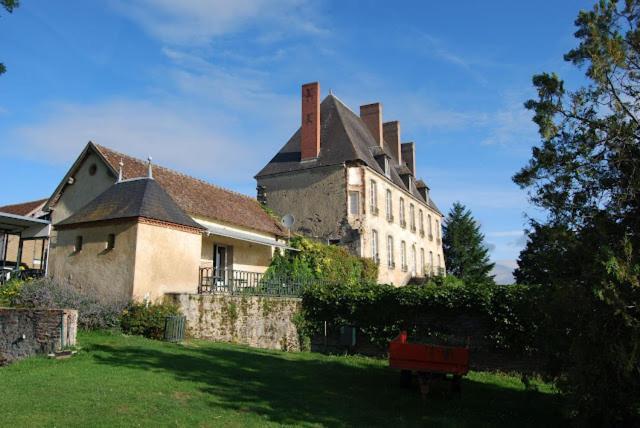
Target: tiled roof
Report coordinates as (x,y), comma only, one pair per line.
(344,137)
(197,197)
(24,208)
(141,197)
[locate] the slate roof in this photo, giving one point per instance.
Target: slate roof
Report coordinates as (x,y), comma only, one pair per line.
(142,197)
(197,197)
(24,208)
(344,137)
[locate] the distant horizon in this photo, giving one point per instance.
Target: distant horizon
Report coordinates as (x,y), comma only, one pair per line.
(212,90)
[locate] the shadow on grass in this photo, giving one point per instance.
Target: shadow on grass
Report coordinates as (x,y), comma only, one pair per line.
(301,389)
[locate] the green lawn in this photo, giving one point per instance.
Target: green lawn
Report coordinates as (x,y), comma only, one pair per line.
(117,380)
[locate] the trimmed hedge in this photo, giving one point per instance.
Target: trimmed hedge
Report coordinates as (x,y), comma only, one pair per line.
(508,317)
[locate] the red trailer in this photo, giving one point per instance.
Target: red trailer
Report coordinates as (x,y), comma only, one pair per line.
(429,362)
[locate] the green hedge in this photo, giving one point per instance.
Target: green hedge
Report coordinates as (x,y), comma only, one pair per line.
(508,316)
(147,319)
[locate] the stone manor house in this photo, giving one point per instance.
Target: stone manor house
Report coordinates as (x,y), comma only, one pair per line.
(349,180)
(126,228)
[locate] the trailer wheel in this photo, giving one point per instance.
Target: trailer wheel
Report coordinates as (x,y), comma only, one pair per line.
(405,378)
(456,384)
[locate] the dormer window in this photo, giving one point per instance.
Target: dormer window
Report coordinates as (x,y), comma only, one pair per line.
(410,182)
(387,168)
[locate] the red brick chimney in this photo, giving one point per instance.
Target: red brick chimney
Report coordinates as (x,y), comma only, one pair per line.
(409,156)
(371,115)
(310,128)
(391,132)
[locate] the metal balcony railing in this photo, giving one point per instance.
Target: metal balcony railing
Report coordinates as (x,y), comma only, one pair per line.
(230,281)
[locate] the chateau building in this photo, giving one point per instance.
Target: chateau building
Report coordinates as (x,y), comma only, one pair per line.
(349,180)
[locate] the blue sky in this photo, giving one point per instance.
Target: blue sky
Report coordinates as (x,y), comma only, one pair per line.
(211,88)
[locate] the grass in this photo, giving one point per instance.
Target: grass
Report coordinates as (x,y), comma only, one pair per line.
(118,380)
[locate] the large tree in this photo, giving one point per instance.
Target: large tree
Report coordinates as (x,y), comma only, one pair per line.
(586,174)
(8,5)
(466,255)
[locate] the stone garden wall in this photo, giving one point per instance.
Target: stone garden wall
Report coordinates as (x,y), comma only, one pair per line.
(26,332)
(262,322)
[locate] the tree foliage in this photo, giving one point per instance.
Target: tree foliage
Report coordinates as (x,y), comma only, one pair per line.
(464,249)
(8,5)
(315,261)
(503,319)
(542,259)
(586,174)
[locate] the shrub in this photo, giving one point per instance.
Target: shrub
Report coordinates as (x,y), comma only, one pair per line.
(505,315)
(95,312)
(318,262)
(147,319)
(9,290)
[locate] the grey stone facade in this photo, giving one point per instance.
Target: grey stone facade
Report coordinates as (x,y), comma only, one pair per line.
(27,332)
(261,322)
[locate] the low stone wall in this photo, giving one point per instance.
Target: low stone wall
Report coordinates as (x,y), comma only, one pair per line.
(26,332)
(262,322)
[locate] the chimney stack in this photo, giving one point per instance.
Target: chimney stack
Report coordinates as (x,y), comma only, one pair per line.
(391,132)
(371,115)
(310,128)
(408,151)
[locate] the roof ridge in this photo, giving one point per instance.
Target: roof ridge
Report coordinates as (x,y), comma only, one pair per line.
(178,173)
(343,103)
(35,201)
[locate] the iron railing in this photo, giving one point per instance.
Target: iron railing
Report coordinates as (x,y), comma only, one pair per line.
(230,281)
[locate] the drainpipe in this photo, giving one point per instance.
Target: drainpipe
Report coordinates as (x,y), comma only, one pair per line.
(46,259)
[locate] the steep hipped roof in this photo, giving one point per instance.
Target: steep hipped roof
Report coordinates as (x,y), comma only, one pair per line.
(344,137)
(142,197)
(194,196)
(24,208)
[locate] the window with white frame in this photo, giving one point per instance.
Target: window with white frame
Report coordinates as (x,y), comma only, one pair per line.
(430,227)
(374,245)
(354,203)
(373,197)
(439,264)
(390,261)
(421,222)
(437,229)
(431,262)
(389,206)
(387,168)
(412,217)
(414,260)
(403,221)
(422,261)
(403,256)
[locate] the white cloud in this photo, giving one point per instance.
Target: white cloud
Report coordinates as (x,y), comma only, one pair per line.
(196,22)
(437,48)
(512,125)
(506,233)
(419,112)
(174,134)
(244,90)
(503,271)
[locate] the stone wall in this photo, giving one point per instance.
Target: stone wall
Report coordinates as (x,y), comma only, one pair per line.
(262,322)
(26,332)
